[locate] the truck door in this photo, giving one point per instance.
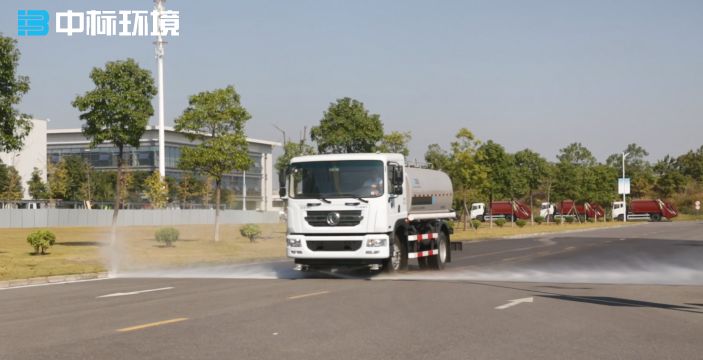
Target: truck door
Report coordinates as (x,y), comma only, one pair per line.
(397,198)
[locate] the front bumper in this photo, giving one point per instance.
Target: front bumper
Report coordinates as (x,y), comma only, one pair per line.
(337,246)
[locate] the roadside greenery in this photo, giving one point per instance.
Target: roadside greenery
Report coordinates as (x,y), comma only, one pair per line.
(250,231)
(15,125)
(167,236)
(117,111)
(41,240)
(216,119)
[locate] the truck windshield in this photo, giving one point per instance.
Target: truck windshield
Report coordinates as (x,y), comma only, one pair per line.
(336,179)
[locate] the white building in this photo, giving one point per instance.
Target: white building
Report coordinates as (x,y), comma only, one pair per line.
(32,155)
(253,188)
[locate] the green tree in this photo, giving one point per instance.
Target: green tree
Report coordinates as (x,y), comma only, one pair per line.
(576,154)
(77,172)
(637,168)
(12,190)
(37,187)
(436,157)
(14,125)
(57,180)
(691,164)
(395,142)
(291,150)
(599,185)
(217,119)
(669,179)
(499,166)
(347,127)
(156,190)
(188,189)
(575,160)
(117,111)
(463,167)
(533,168)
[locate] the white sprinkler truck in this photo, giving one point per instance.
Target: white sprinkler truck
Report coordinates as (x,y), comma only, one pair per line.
(366,210)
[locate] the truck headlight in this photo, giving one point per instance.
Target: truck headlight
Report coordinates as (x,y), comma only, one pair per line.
(375,242)
(294,242)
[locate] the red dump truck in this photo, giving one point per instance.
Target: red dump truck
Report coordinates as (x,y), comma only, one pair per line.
(509,210)
(644,209)
(587,210)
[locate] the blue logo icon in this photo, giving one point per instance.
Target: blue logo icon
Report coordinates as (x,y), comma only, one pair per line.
(32,22)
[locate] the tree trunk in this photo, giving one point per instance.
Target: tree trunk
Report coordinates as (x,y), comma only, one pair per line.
(217,209)
(118,200)
(532,215)
(464,212)
(490,210)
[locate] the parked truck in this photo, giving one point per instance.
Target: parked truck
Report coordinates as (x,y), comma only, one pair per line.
(569,208)
(644,209)
(508,210)
(368,210)
(547,211)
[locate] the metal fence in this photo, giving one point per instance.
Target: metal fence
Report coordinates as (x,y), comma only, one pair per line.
(30,218)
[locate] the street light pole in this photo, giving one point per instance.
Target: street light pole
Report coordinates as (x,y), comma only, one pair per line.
(159,7)
(624,204)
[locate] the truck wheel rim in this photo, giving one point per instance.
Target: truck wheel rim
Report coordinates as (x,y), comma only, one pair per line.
(443,251)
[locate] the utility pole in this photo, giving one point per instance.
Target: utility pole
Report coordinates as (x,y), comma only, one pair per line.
(624,204)
(159,7)
(283,132)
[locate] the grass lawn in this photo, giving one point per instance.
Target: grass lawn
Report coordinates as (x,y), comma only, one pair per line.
(83,250)
(484,232)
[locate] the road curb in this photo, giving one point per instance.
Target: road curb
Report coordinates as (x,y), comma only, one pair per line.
(5,284)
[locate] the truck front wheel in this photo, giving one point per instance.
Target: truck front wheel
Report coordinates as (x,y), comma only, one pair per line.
(398,260)
(438,261)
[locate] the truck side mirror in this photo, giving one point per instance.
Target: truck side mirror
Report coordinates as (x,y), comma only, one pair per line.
(397,180)
(282,183)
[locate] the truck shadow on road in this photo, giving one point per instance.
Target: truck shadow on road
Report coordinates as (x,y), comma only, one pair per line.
(614,301)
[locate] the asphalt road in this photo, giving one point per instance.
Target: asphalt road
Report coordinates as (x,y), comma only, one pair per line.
(627,293)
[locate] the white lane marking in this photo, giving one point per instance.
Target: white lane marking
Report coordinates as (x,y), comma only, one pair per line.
(308,295)
(134,292)
(54,283)
(515,302)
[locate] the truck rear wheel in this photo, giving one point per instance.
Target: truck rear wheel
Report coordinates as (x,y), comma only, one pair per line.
(398,260)
(438,261)
(656,217)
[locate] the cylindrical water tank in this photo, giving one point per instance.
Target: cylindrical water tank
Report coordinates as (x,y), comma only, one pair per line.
(428,191)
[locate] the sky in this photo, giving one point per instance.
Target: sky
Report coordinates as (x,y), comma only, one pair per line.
(525,74)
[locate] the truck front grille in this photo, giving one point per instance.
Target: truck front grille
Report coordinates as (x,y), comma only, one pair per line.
(317,245)
(346,218)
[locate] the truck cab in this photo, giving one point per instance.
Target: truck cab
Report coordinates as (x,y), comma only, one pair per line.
(619,211)
(350,210)
(546,210)
(478,211)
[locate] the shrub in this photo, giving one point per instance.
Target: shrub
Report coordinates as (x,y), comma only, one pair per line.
(41,240)
(520,223)
(569,219)
(167,236)
(250,231)
(476,223)
(500,222)
(539,219)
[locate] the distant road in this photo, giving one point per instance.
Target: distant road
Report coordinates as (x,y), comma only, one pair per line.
(502,299)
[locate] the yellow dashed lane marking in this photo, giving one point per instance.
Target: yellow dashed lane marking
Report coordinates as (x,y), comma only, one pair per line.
(158,323)
(308,295)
